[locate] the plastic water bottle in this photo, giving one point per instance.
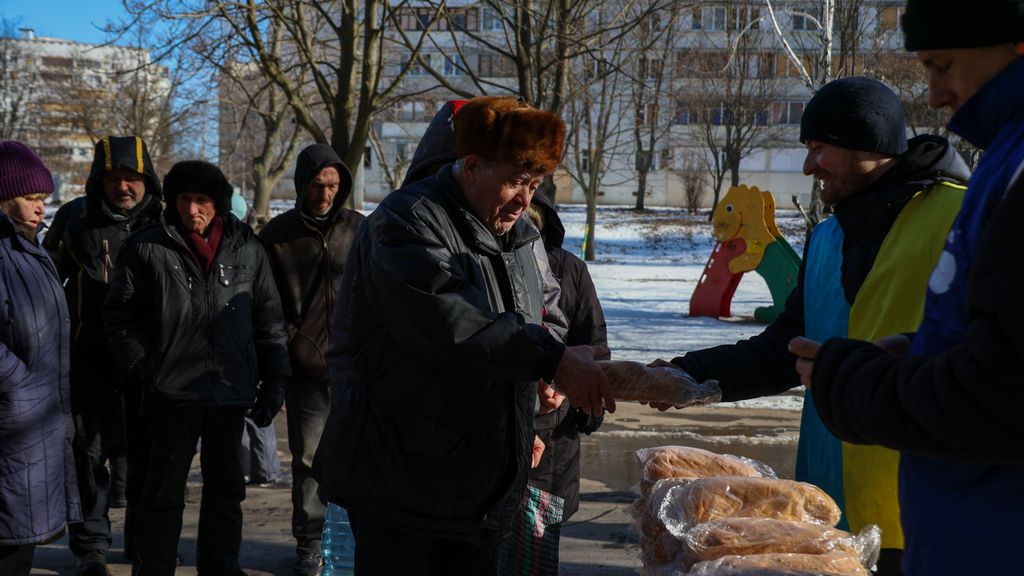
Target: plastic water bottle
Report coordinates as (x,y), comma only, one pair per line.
(338,545)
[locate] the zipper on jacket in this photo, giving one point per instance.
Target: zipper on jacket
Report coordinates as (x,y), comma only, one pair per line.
(329,284)
(106,261)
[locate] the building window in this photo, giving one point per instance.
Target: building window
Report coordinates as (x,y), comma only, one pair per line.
(650,67)
(492,21)
(493,65)
(666,158)
(585,159)
(805,20)
(717,21)
(889,18)
(682,115)
(415,69)
(787,113)
(697,19)
(367,158)
(454,66)
(762,117)
(463,19)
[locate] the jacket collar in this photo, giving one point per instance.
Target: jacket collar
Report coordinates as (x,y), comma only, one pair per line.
(995,105)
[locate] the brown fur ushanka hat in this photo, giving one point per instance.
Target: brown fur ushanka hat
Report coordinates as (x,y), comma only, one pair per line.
(503,128)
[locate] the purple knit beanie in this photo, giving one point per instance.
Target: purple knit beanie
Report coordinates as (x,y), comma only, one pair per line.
(22,172)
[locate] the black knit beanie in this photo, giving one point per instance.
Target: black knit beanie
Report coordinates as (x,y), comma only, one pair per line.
(857,113)
(197,177)
(947,24)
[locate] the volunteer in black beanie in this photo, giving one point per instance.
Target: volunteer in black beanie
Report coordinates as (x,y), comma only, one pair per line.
(857,113)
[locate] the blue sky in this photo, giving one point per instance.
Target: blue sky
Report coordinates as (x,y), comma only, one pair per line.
(78,20)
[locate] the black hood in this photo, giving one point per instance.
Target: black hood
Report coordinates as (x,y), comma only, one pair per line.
(437,146)
(129,152)
(310,162)
(553,232)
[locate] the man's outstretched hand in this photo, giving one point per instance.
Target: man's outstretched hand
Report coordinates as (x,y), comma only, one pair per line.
(582,380)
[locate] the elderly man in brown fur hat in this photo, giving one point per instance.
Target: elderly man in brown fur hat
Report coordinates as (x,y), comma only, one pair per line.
(437,351)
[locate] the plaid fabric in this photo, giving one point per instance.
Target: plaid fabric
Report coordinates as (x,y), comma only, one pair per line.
(532,547)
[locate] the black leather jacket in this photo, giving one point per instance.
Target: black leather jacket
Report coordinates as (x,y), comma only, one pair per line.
(191,338)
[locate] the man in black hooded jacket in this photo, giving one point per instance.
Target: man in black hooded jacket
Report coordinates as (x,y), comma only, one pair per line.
(308,246)
(122,195)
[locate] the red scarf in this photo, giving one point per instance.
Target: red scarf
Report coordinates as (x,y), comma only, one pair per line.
(204,249)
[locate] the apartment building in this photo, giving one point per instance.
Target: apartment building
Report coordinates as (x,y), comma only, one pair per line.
(60,96)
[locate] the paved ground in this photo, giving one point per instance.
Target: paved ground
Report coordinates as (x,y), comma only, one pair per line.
(598,540)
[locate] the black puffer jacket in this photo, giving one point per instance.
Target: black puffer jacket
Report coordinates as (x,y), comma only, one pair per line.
(84,240)
(762,365)
(308,259)
(437,351)
(559,468)
(192,338)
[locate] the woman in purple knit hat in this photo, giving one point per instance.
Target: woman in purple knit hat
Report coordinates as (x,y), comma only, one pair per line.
(38,494)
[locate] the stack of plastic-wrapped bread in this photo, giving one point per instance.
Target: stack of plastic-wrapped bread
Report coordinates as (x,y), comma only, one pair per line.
(719,515)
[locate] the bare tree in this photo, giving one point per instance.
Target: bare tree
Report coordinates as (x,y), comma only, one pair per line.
(593,109)
(728,97)
(337,44)
(653,42)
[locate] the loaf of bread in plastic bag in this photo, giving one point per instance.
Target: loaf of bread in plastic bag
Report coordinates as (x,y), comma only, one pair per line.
(636,382)
(833,564)
(686,462)
(706,499)
(746,536)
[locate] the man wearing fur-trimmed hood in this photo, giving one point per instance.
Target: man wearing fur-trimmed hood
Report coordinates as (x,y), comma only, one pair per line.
(308,246)
(122,195)
(437,350)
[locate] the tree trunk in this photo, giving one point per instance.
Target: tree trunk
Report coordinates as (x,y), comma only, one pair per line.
(641,189)
(589,237)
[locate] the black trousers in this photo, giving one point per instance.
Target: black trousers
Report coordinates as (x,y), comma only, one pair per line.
(99,428)
(174,435)
(420,555)
(16,560)
(137,446)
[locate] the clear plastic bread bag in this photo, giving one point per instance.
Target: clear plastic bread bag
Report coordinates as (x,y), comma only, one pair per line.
(785,564)
(637,382)
(687,462)
(681,506)
(748,536)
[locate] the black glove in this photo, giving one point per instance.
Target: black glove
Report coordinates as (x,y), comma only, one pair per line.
(585,423)
(268,404)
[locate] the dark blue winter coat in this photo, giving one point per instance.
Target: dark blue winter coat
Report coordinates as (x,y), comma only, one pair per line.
(38,492)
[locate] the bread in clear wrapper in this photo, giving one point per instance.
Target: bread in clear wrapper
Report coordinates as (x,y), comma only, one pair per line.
(686,462)
(747,536)
(682,506)
(636,382)
(832,564)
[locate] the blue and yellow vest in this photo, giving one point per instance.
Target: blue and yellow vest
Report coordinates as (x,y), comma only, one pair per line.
(863,479)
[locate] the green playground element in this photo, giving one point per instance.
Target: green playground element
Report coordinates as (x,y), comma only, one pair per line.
(779,268)
(748,214)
